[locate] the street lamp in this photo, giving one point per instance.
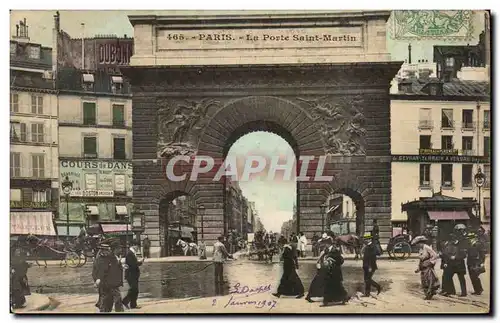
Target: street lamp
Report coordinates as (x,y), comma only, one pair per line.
(201,212)
(323,207)
(67,186)
(479,178)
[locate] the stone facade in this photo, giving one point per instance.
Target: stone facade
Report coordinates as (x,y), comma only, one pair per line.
(341,110)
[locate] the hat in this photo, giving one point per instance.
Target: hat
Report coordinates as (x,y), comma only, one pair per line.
(104,246)
(367,236)
(419,239)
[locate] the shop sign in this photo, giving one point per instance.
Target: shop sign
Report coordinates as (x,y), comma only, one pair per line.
(438,152)
(440,159)
(29,205)
(91,193)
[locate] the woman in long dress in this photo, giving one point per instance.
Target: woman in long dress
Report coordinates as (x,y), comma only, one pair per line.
(290,283)
(317,285)
(334,290)
(428,258)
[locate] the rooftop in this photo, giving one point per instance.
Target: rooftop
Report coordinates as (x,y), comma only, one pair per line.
(456,87)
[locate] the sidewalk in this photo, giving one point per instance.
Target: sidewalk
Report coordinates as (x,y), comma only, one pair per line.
(35,303)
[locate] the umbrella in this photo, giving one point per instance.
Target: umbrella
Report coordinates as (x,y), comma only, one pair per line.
(419,239)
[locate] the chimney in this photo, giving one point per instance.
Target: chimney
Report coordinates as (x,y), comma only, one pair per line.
(409,53)
(57,21)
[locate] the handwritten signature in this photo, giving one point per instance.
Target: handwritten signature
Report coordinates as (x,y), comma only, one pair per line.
(258,304)
(245,290)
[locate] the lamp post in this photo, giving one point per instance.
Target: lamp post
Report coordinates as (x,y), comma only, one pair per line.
(201,211)
(323,207)
(67,186)
(479,178)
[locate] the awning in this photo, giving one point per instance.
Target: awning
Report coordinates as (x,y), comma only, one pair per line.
(107,228)
(117,79)
(88,78)
(62,229)
(121,210)
(186,232)
(487,207)
(37,223)
(448,215)
(94,210)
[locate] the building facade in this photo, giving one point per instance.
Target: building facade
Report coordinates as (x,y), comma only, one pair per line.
(34,180)
(440,138)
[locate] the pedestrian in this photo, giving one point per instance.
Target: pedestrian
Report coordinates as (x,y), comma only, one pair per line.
(132,274)
(220,255)
(94,274)
(454,263)
(428,258)
(375,236)
(19,287)
(370,265)
(290,283)
(316,289)
(202,250)
(476,256)
(315,245)
(109,274)
(146,245)
(333,288)
(302,244)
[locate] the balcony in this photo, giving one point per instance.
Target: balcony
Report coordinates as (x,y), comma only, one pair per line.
(467,185)
(486,125)
(447,185)
(468,126)
(468,152)
(28,173)
(425,185)
(29,205)
(425,124)
(90,155)
(448,125)
(29,138)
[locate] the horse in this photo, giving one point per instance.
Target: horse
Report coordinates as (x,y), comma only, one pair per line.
(193,247)
(185,246)
(351,242)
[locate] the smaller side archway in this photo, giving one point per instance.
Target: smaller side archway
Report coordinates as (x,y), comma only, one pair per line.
(177,220)
(346,219)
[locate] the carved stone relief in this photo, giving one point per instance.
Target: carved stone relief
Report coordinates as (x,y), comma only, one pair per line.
(341,121)
(180,124)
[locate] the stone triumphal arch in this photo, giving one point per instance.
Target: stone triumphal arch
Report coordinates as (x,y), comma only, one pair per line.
(320,81)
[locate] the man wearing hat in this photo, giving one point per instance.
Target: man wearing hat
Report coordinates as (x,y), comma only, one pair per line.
(475,262)
(370,264)
(132,274)
(220,255)
(109,276)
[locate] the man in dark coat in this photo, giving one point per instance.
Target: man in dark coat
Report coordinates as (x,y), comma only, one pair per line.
(315,244)
(375,236)
(146,245)
(132,274)
(370,264)
(476,255)
(109,277)
(453,262)
(19,287)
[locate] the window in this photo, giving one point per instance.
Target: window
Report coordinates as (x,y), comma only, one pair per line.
(447,118)
(89,113)
(425,118)
(88,82)
(15,164)
(119,148)
(34,52)
(37,165)
(18,132)
(487,146)
(467,122)
(446,175)
(13,48)
(39,196)
(487,175)
(467,146)
(116,84)
(446,142)
(425,142)
(90,147)
(425,175)
(466,175)
(118,115)
(37,132)
(14,102)
(15,194)
(91,182)
(486,121)
(36,104)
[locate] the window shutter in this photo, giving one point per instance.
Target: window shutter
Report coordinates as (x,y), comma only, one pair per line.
(90,145)
(118,114)
(33,104)
(89,113)
(27,194)
(40,105)
(23,131)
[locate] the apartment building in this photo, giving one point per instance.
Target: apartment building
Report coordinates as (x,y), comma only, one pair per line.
(440,138)
(33,137)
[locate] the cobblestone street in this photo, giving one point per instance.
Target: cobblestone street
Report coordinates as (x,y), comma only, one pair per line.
(193,290)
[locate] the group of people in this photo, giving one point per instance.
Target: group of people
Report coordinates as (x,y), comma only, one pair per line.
(328,281)
(107,273)
(460,253)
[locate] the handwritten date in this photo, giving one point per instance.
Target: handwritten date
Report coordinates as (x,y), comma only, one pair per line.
(245,290)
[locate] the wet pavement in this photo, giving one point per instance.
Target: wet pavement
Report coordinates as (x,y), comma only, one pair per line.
(191,279)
